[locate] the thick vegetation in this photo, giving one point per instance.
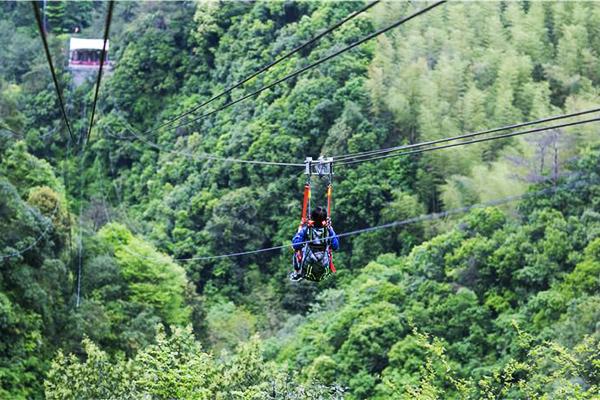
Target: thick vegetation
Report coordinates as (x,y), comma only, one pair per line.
(502,303)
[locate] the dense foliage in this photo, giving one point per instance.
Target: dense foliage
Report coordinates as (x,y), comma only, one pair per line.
(175,367)
(489,291)
(502,303)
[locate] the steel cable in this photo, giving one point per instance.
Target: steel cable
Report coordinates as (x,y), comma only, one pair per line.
(49,225)
(342,158)
(314,64)
(496,137)
(38,18)
(421,218)
(203,156)
(102,59)
(266,67)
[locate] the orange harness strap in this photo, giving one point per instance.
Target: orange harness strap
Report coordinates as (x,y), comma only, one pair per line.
(305,202)
(329,191)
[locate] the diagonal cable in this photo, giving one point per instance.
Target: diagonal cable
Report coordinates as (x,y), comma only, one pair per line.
(504,136)
(109,13)
(49,225)
(38,18)
(312,65)
(204,156)
(266,67)
(408,221)
(368,153)
(11,131)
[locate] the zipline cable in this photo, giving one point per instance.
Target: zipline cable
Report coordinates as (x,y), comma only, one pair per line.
(13,132)
(50,224)
(38,18)
(320,61)
(314,64)
(266,67)
(496,137)
(204,156)
(85,140)
(71,137)
(80,228)
(118,197)
(43,234)
(66,181)
(109,13)
(420,218)
(394,151)
(464,136)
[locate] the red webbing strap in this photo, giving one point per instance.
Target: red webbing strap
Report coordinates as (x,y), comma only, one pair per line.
(331,266)
(305,202)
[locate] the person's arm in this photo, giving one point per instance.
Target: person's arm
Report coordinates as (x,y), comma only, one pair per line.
(335,241)
(299,238)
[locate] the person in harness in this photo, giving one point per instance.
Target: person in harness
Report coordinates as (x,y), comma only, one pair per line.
(313,244)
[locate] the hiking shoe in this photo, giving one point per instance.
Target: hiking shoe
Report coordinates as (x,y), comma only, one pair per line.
(296,276)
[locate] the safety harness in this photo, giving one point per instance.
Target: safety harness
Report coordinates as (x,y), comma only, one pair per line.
(314,257)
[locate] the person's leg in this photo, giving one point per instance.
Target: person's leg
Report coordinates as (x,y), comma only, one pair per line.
(296,274)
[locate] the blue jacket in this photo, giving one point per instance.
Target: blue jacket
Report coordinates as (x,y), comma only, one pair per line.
(301,236)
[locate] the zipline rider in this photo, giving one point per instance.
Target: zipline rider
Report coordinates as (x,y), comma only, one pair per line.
(316,262)
(315,240)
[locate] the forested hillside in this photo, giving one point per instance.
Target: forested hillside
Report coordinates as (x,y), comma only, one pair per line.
(485,284)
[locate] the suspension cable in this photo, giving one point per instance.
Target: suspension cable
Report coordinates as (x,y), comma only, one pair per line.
(66,181)
(312,65)
(394,151)
(420,218)
(38,18)
(109,13)
(85,140)
(203,156)
(80,231)
(43,234)
(65,118)
(412,220)
(496,137)
(266,67)
(342,158)
(11,131)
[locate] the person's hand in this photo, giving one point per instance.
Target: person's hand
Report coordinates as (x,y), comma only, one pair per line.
(303,223)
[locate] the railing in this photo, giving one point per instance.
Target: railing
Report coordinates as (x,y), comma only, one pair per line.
(83,63)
